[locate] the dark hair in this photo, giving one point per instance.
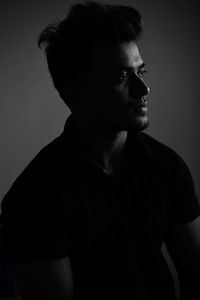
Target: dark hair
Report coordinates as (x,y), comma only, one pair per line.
(88,24)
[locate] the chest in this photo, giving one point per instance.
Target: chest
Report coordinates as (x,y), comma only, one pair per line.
(117,229)
(105,212)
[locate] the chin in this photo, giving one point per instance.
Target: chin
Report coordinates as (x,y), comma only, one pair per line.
(138,123)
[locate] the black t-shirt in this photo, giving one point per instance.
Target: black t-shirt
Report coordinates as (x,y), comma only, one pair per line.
(112,230)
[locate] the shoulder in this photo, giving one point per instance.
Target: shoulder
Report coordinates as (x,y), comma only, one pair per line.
(154,146)
(168,166)
(40,167)
(37,184)
(163,155)
(173,172)
(34,214)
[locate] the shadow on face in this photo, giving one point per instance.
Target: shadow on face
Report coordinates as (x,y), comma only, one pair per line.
(112,91)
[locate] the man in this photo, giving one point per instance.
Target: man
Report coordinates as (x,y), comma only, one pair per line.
(88,216)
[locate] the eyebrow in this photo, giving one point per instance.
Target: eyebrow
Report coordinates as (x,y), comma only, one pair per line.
(131,68)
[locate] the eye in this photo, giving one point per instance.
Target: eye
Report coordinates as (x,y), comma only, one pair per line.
(121,76)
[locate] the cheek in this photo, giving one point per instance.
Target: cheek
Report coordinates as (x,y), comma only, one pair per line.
(118,99)
(109,99)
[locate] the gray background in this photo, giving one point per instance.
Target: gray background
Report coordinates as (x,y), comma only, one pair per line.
(32,114)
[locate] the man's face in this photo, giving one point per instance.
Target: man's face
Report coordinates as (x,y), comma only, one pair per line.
(114,88)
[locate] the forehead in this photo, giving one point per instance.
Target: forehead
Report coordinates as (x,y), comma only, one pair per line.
(116,55)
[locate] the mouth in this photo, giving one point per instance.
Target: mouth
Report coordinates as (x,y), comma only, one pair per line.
(139,106)
(141,109)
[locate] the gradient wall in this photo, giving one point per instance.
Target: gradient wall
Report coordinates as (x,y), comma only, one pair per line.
(31,113)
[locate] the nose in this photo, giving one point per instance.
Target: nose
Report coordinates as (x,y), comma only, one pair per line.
(138,88)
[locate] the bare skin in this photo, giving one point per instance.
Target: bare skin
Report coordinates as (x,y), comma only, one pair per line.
(108,105)
(103,148)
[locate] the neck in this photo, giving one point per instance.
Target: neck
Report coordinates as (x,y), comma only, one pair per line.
(103,147)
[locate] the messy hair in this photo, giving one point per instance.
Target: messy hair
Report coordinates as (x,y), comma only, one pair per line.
(68,42)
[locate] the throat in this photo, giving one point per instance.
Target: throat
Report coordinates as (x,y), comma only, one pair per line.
(109,162)
(102,147)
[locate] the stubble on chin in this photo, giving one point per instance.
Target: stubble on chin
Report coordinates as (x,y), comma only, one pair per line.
(137,125)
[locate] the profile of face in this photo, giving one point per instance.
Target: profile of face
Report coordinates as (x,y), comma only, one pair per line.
(113,91)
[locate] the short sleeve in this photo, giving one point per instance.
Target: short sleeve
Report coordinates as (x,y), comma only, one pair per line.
(33,221)
(184,205)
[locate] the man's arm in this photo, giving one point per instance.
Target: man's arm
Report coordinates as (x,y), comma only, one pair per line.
(45,280)
(183,244)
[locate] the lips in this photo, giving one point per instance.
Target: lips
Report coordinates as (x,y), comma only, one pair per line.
(141,108)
